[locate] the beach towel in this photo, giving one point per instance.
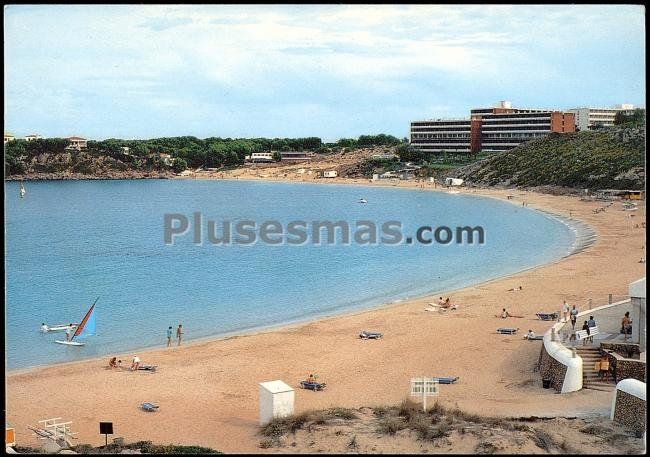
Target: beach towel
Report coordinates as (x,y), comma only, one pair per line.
(447,380)
(370,335)
(149,407)
(148,367)
(312,385)
(507,331)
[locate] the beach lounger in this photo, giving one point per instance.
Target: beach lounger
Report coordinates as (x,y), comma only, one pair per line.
(547,316)
(507,330)
(534,338)
(148,367)
(312,385)
(370,335)
(447,380)
(149,407)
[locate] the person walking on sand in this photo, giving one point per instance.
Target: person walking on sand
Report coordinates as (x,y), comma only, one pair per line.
(169,336)
(565,311)
(179,333)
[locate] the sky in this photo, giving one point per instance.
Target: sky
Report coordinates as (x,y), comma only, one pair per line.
(331,71)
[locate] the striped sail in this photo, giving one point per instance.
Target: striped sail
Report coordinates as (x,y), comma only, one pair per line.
(87,325)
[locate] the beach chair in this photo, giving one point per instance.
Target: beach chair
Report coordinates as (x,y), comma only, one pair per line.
(507,330)
(370,335)
(535,338)
(547,316)
(151,368)
(149,407)
(447,380)
(312,385)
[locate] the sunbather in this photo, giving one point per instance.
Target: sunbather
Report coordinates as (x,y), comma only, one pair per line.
(113,362)
(311,379)
(529,335)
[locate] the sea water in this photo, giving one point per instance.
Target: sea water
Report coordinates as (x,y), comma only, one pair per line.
(69,242)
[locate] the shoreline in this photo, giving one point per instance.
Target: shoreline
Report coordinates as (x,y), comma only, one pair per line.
(209,389)
(579,228)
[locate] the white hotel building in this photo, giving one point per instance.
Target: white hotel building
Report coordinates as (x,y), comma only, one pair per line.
(587,117)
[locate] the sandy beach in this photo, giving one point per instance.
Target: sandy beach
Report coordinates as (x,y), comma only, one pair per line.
(208,391)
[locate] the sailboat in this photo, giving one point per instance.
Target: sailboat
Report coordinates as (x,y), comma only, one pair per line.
(85,328)
(22,190)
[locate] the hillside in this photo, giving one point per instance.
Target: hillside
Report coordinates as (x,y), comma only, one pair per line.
(608,158)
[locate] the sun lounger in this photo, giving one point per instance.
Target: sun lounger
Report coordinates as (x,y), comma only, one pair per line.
(148,367)
(370,335)
(312,385)
(149,407)
(534,338)
(547,316)
(447,380)
(507,330)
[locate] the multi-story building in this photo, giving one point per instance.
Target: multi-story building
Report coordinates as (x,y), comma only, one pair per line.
(499,128)
(9,137)
(77,143)
(33,137)
(588,118)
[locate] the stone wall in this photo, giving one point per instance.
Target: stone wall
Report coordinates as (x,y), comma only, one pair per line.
(551,369)
(621,348)
(630,411)
(624,368)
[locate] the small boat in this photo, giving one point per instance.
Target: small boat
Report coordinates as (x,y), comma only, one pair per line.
(22,190)
(58,328)
(85,328)
(363,200)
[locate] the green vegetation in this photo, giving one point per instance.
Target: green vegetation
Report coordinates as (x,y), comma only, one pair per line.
(144,447)
(368,141)
(630,120)
(278,427)
(607,158)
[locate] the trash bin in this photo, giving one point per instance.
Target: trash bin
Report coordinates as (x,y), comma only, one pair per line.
(546,383)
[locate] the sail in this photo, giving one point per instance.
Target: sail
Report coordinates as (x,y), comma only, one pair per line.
(87,325)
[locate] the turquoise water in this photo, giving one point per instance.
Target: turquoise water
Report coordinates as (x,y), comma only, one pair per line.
(68,242)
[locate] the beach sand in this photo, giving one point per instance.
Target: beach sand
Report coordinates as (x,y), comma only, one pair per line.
(208,391)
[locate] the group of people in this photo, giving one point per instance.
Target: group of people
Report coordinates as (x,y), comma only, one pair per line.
(569,314)
(115,363)
(179,335)
(446,303)
(587,326)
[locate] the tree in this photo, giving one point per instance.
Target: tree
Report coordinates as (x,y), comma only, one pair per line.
(179,165)
(277,156)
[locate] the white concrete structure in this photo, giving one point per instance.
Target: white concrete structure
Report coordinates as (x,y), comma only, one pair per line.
(276,400)
(555,349)
(588,117)
(630,386)
(453,182)
(262,157)
(33,137)
(637,296)
(330,174)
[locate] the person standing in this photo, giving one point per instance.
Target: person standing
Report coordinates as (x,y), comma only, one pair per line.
(67,334)
(591,323)
(565,311)
(169,336)
(179,333)
(626,325)
(574,317)
(585,326)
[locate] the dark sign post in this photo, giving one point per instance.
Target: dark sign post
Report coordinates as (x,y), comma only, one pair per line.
(106,428)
